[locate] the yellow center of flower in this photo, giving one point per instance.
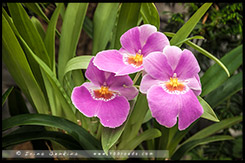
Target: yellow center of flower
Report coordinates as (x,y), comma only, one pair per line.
(174,82)
(103,92)
(136,60)
(174,85)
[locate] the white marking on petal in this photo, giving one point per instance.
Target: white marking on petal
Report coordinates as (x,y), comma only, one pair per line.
(91,91)
(125,60)
(177,92)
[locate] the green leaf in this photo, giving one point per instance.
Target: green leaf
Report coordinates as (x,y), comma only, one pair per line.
(201,50)
(16,63)
(215,76)
(188,39)
(110,137)
(212,129)
(127,19)
(146,135)
(28,31)
(38,26)
(88,26)
(77,63)
(34,7)
(150,14)
(228,88)
(70,34)
(16,103)
(68,108)
(179,135)
(209,55)
(64,139)
(192,144)
(187,28)
(208,111)
(77,77)
(49,40)
(148,116)
(136,118)
(103,23)
(6,94)
(86,140)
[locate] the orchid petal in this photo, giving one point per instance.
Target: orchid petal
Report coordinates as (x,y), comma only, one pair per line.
(187,66)
(147,82)
(173,54)
(109,60)
(164,107)
(94,74)
(130,40)
(156,42)
(84,102)
(124,85)
(128,69)
(145,31)
(156,65)
(114,113)
(190,111)
(194,85)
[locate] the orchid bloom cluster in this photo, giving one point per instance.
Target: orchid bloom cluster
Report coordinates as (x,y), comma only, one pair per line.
(171,82)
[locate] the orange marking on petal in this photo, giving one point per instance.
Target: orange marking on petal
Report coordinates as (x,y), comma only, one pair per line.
(174,85)
(103,92)
(136,60)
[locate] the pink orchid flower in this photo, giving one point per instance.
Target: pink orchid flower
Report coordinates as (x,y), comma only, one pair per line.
(136,43)
(172,85)
(105,97)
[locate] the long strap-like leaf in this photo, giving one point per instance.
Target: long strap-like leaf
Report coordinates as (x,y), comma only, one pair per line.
(187,28)
(86,140)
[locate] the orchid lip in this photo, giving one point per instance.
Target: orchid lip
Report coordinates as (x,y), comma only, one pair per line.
(134,60)
(175,86)
(103,94)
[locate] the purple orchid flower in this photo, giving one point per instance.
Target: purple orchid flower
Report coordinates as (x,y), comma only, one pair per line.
(136,43)
(105,97)
(172,84)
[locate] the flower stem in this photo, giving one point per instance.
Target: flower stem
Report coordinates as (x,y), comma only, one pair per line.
(136,77)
